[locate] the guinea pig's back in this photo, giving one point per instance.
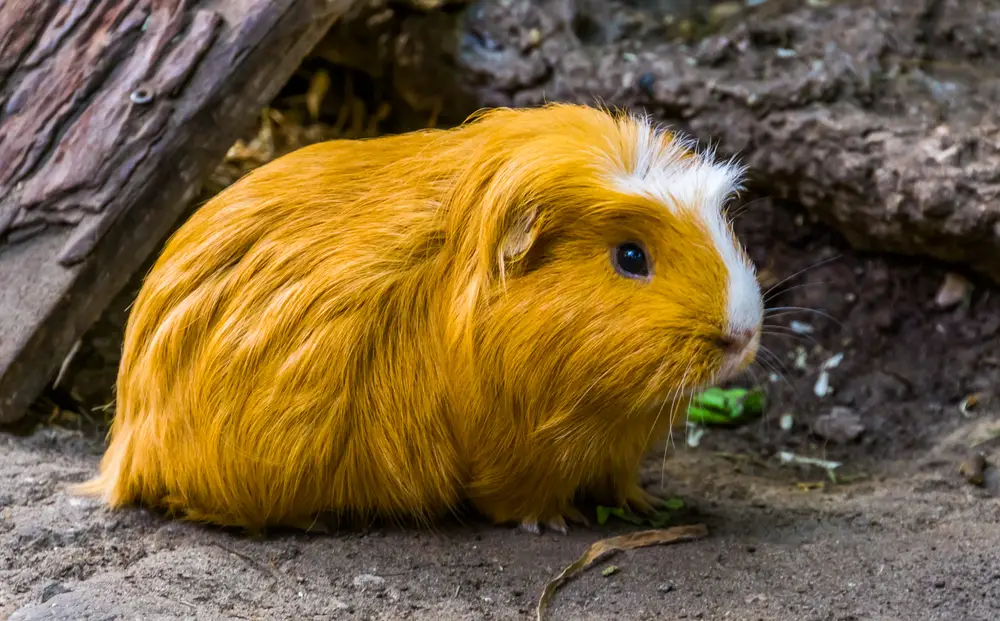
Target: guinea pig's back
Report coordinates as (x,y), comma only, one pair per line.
(279,357)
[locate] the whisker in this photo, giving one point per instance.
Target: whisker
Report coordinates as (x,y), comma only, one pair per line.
(789,333)
(801,271)
(780,370)
(787,310)
(757,382)
(671,444)
(801,285)
(767,366)
(673,415)
(742,208)
(653,426)
(775,365)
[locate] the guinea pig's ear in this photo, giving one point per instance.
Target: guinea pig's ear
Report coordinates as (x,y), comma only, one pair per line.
(519,238)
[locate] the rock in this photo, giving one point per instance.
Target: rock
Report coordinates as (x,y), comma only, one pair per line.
(52,590)
(100,605)
(840,425)
(340,604)
(992,481)
(367,582)
(66,606)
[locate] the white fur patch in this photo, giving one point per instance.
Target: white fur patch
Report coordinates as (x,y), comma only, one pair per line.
(699,185)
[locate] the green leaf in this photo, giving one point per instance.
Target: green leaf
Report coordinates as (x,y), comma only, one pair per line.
(603,513)
(659,521)
(753,403)
(707,417)
(713,398)
(716,406)
(627,515)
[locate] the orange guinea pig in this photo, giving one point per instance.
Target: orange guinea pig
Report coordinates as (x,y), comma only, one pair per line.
(505,314)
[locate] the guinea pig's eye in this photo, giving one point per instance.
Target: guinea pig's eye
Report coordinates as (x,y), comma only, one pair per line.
(630,260)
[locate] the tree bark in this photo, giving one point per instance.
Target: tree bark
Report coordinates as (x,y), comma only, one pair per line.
(112,113)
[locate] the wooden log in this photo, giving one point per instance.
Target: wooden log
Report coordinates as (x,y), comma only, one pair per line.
(112,113)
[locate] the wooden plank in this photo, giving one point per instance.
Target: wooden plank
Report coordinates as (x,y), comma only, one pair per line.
(112,113)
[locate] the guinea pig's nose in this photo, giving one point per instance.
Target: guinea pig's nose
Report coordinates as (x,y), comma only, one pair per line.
(735,341)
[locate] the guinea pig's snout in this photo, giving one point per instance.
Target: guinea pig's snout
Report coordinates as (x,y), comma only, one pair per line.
(737,342)
(739,347)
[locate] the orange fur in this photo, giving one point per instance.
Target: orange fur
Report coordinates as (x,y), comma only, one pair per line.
(388,327)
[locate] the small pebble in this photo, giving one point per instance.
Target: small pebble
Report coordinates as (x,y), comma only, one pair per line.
(786,422)
(801,356)
(840,425)
(991,480)
(52,590)
(973,468)
(953,291)
(834,361)
(369,581)
(800,327)
(339,604)
(822,386)
(666,587)
(694,435)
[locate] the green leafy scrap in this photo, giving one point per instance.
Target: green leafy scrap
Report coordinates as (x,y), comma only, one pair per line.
(732,406)
(657,520)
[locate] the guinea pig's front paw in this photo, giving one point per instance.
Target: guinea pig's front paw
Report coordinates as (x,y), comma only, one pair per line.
(642,502)
(533,526)
(556,523)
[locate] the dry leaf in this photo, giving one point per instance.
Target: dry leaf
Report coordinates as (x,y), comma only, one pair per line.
(606,547)
(318,87)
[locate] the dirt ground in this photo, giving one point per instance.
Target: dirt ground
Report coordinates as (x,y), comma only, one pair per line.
(900,535)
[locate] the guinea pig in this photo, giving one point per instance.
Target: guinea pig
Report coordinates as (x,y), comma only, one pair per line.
(504,315)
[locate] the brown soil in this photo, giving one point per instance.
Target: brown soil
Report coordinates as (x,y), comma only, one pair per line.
(901,535)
